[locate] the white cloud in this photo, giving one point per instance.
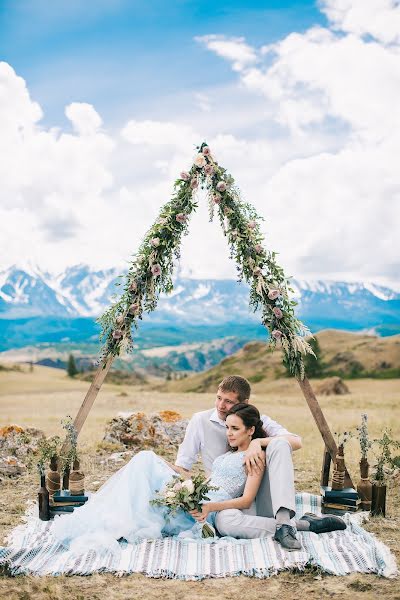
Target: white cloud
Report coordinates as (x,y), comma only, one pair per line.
(309,128)
(83,117)
(157,133)
(234,49)
(378,18)
(341,204)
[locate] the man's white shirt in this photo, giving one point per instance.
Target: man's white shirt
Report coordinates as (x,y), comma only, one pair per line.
(194,441)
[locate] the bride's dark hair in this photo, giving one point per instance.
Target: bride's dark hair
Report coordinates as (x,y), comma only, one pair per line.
(250,417)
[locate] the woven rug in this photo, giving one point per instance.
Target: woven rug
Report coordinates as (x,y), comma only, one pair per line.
(32,550)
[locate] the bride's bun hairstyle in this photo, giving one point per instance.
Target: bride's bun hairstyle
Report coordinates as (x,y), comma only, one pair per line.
(250,417)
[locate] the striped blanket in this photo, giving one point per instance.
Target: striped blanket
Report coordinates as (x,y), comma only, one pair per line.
(31,550)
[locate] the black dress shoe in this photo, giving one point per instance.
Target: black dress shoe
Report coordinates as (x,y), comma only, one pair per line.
(286,536)
(324,524)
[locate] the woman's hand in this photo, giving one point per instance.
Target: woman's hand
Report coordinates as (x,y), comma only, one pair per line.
(254,458)
(200,516)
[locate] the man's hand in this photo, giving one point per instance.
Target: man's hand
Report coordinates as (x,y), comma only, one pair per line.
(200,516)
(254,458)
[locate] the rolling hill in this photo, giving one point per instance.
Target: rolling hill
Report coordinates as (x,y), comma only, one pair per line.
(342,353)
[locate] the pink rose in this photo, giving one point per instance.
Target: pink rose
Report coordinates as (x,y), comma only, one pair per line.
(133,286)
(155,242)
(251,224)
(208,170)
(181,218)
(199,160)
(185,176)
(273,294)
(258,248)
(227,210)
(194,182)
(276,334)
(120,319)
(134,308)
(117,334)
(221,186)
(206,150)
(216,198)
(277,312)
(257,271)
(156,270)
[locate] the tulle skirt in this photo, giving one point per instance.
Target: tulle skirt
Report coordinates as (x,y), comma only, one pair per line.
(121,509)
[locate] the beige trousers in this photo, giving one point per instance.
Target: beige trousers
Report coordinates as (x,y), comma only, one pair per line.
(276,491)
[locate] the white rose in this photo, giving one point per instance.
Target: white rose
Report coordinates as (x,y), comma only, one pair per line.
(189,485)
(199,160)
(178,486)
(170,495)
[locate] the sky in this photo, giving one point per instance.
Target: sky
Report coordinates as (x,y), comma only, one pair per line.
(102,105)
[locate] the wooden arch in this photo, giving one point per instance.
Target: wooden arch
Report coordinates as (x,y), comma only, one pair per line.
(330,450)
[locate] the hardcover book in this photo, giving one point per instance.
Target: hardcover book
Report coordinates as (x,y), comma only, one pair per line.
(341,500)
(65,496)
(328,492)
(61,509)
(342,507)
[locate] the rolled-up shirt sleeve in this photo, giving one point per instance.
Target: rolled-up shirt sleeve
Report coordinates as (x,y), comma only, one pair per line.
(272,428)
(190,447)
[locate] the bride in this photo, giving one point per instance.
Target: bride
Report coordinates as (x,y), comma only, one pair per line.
(121,508)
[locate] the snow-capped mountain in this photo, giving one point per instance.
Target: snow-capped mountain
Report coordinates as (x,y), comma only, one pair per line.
(26,291)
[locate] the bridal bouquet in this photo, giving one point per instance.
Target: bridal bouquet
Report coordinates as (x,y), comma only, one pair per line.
(187,494)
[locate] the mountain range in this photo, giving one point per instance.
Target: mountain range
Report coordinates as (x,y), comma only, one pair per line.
(79,291)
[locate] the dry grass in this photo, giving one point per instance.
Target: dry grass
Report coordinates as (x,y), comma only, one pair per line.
(45,396)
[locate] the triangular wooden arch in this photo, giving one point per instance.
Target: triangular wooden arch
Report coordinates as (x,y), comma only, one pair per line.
(224,196)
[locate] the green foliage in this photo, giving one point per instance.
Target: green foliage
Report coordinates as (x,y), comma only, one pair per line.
(363,437)
(71,443)
(385,461)
(71,366)
(47,448)
(150,272)
(312,362)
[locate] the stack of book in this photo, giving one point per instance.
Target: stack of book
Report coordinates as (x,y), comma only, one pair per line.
(63,502)
(339,502)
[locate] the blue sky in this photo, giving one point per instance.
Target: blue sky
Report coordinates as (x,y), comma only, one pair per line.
(102,103)
(126,56)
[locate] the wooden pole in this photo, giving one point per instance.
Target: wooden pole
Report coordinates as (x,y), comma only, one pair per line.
(91,395)
(321,423)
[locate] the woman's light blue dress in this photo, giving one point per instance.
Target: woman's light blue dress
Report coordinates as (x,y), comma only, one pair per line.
(121,507)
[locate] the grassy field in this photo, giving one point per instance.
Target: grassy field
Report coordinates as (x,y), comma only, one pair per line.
(42,398)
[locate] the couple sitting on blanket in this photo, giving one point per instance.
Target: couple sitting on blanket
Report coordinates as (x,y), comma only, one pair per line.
(250,461)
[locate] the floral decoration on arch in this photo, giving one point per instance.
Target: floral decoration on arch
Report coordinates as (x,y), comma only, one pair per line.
(150,272)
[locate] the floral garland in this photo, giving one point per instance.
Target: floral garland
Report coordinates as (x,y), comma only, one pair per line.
(150,272)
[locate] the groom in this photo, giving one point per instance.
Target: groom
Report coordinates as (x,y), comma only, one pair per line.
(274,509)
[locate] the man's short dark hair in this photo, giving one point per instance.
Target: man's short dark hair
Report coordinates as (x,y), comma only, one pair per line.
(238,385)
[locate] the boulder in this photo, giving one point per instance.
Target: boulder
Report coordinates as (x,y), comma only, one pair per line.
(17,444)
(137,430)
(332,386)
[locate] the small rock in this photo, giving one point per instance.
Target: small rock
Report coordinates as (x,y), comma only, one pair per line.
(11,466)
